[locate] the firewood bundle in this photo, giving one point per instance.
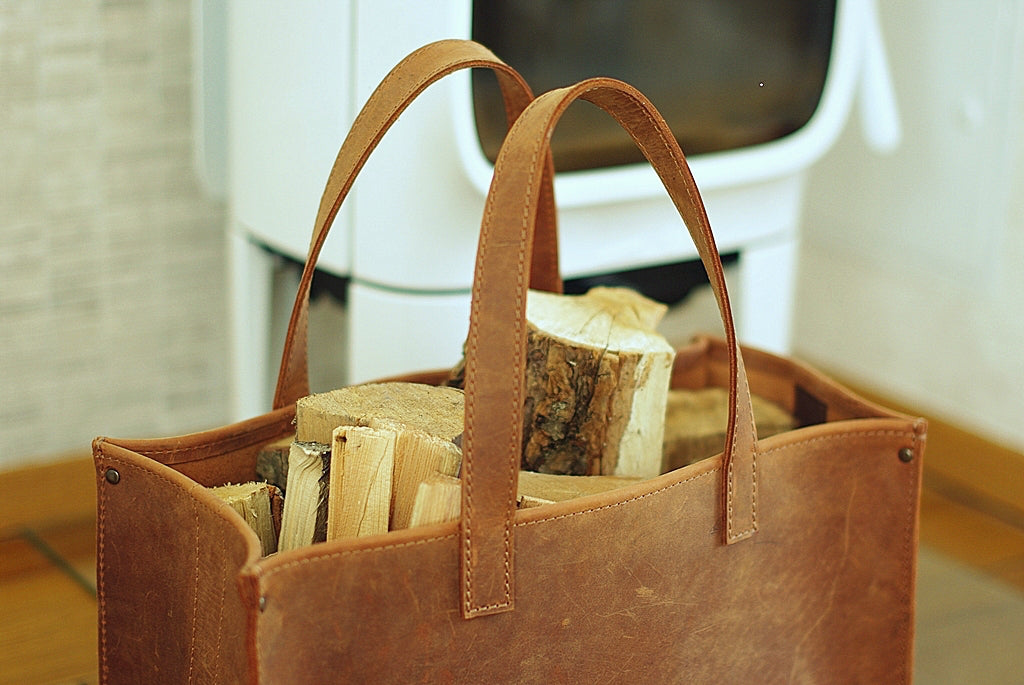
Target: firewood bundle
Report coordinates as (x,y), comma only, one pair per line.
(598,414)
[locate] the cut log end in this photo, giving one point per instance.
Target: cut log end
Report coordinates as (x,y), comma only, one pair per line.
(596,381)
(432,409)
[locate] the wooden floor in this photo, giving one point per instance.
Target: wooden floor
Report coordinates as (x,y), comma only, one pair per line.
(48,605)
(47,581)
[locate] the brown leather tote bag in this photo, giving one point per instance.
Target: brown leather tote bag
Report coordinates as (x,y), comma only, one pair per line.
(789,559)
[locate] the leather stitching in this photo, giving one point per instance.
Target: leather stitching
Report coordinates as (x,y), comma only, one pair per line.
(352,552)
(195,596)
(435,73)
(183,491)
(844,435)
(101,520)
(753,467)
(318,240)
(753,488)
(321,229)
(438,538)
(909,555)
(215,676)
(101,538)
(626,501)
(468,497)
(908,567)
(728,502)
(245,438)
(472,346)
(800,443)
(644,113)
(516,400)
(471,350)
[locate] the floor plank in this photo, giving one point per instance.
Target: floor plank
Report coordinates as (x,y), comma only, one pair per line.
(75,543)
(19,557)
(972,537)
(968,626)
(47,624)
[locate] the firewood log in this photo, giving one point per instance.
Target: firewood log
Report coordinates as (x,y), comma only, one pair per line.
(597,377)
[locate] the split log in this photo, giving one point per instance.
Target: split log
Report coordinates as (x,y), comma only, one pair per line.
(259,505)
(304,520)
(362,462)
(696,421)
(419,456)
(544,488)
(426,422)
(597,377)
(438,499)
(383,458)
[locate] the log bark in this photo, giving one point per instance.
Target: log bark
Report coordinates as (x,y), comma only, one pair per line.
(597,379)
(272,463)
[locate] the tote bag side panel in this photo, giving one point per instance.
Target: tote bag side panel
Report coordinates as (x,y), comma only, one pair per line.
(168,556)
(634,585)
(840,507)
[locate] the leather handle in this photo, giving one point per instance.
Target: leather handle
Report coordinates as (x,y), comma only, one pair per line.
(398,89)
(495,354)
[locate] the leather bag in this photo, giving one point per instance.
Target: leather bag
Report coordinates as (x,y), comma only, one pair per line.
(787,559)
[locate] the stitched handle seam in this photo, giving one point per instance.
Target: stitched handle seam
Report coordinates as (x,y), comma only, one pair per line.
(753,431)
(516,400)
(638,107)
(909,555)
(101,575)
(422,83)
(789,446)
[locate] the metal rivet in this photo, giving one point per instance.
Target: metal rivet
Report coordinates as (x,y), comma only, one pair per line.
(113,477)
(906,455)
(263,603)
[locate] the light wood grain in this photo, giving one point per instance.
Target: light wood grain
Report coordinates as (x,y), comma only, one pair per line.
(973,537)
(362,468)
(47,621)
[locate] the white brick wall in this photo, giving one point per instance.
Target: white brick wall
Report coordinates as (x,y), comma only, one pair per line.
(112,266)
